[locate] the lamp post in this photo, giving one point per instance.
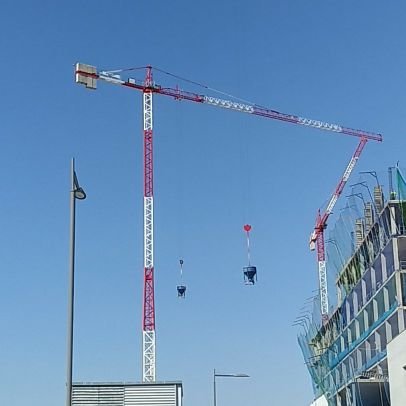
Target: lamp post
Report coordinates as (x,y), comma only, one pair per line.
(334,242)
(76,192)
(365,185)
(392,193)
(216,375)
(373,174)
(359,195)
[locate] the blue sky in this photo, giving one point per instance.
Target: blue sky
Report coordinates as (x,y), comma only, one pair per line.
(342,62)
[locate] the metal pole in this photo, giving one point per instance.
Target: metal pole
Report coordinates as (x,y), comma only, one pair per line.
(214,387)
(71,289)
(390,182)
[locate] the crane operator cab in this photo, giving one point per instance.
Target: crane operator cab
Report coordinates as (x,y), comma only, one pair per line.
(250,274)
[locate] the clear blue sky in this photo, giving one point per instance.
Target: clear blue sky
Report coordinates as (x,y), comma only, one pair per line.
(342,62)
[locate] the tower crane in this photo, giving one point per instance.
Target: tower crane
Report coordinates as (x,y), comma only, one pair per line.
(88,75)
(317,236)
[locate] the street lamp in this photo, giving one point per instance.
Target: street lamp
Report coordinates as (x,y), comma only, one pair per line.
(392,193)
(216,375)
(365,185)
(76,192)
(359,195)
(373,174)
(334,242)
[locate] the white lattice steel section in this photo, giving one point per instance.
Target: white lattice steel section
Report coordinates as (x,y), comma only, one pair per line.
(148,232)
(147,111)
(323,288)
(148,339)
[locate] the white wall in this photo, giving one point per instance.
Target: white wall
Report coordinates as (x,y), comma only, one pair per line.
(321,401)
(397,375)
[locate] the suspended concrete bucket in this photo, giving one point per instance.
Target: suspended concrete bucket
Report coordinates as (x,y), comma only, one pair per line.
(181,290)
(250,274)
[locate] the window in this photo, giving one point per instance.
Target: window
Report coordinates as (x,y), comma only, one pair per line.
(353,364)
(402,249)
(349,367)
(403,284)
(399,218)
(394,325)
(372,345)
(364,291)
(391,287)
(350,308)
(368,285)
(343,372)
(344,340)
(338,376)
(378,272)
(370,314)
(357,295)
(380,303)
(382,336)
(353,331)
(404,318)
(363,356)
(388,254)
(385,222)
(361,323)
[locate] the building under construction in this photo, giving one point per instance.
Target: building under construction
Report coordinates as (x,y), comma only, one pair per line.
(356,355)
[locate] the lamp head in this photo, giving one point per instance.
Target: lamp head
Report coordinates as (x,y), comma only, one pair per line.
(79,193)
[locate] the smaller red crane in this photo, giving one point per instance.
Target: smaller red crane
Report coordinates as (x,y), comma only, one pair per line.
(317,236)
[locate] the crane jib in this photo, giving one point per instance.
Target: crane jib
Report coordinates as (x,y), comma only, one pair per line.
(264,112)
(233,105)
